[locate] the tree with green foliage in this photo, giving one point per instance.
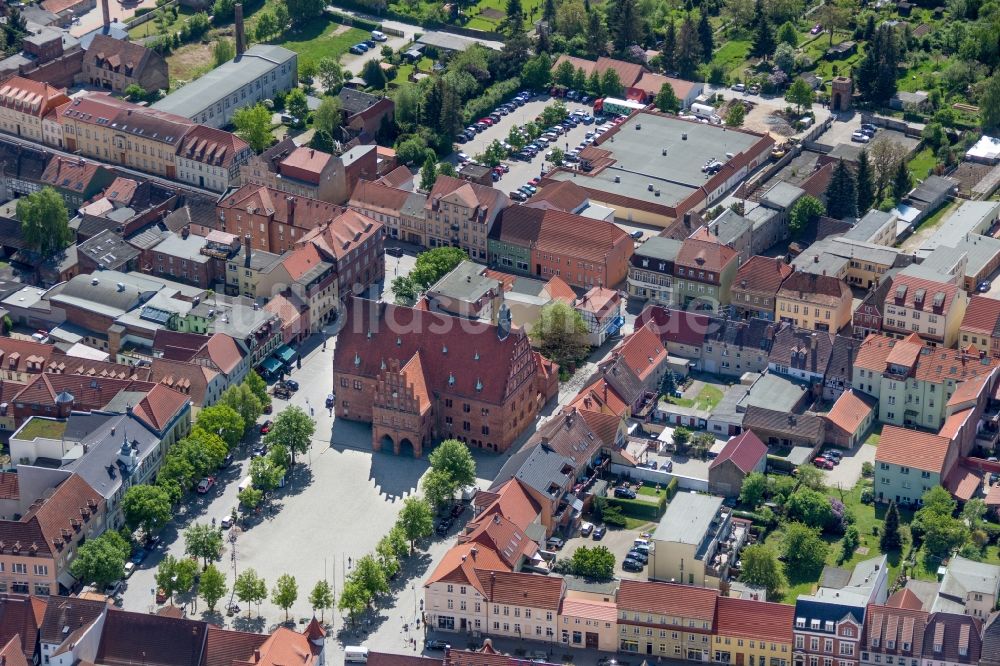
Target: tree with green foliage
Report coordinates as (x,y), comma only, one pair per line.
(203,541)
(668,52)
(936,524)
(411,150)
(800,94)
(353,598)
(564,74)
(331,77)
(370,576)
(452,468)
(147,508)
(762,569)
(101,561)
(242,400)
(841,193)
(266,26)
(611,83)
(297,105)
(901,181)
(373,75)
(438,488)
(537,72)
(753,489)
(787,34)
(557,156)
(44,221)
(666,99)
(250,588)
(292,429)
(134,92)
(321,598)
(890,538)
(447,169)
(597,563)
(865,183)
(265,474)
(804,213)
(681,436)
(428,173)
(803,549)
(416,519)
(258,387)
(705,36)
(303,11)
(554,113)
(876,73)
(434,264)
(515,138)
(762,41)
(687,55)
(989,105)
(597,34)
(223,51)
(625,23)
(832,17)
(250,497)
(561,334)
(176,574)
(850,543)
(212,586)
(223,421)
(736,114)
(285,592)
(253,125)
(549,14)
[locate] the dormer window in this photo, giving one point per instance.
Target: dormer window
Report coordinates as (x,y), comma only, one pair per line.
(828,626)
(800,623)
(814,624)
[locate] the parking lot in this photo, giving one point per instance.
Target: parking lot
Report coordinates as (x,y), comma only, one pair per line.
(523,171)
(618,541)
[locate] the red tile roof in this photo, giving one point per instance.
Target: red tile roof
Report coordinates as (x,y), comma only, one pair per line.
(345,233)
(74,174)
(140,638)
(20,616)
(642,351)
(160,406)
(378,194)
(678,326)
(705,255)
(301,260)
(212,146)
(651,84)
(754,620)
(745,451)
(605,426)
(471,195)
(686,601)
(298,211)
(963,482)
(912,448)
(850,410)
(398,177)
(933,364)
(522,589)
(12,654)
(558,232)
(599,611)
(305,164)
(191,379)
(9,485)
(600,396)
(763,274)
(982,315)
(970,390)
(822,289)
(460,563)
(512,501)
(628,72)
(31,97)
(121,190)
(562,195)
(224,646)
(223,351)
(599,301)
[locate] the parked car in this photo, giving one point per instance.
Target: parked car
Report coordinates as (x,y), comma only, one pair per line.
(379,36)
(628,564)
(129,569)
(226,522)
(739,87)
(833,454)
(433,644)
(624,493)
(815,29)
(822,463)
(462,158)
(860,137)
(636,554)
(611,661)
(206,484)
(599,532)
(869,128)
(291,385)
(259,451)
(394,251)
(443,527)
(138,555)
(586,529)
(555,543)
(357,50)
(984,286)
(637,235)
(265,427)
(161,596)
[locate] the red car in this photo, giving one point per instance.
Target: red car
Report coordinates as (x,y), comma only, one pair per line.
(265,427)
(486,121)
(534,181)
(822,463)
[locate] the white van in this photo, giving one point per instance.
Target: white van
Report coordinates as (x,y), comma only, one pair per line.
(379,36)
(245,483)
(356,654)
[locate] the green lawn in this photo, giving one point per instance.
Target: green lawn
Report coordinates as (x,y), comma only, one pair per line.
(935,219)
(152,27)
(874,436)
(48,428)
(708,397)
(532,10)
(731,57)
(317,40)
(922,163)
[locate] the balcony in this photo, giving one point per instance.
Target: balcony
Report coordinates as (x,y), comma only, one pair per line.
(718,563)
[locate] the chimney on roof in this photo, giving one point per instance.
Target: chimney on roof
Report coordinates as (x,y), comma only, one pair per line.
(241,39)
(246,250)
(185,231)
(106,13)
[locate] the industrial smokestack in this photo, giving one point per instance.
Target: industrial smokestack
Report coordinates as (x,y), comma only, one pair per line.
(107,14)
(241,40)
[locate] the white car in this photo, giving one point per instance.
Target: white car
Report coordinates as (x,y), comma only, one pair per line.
(860,137)
(463,158)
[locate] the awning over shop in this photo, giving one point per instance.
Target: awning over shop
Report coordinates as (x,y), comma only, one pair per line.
(271,365)
(285,354)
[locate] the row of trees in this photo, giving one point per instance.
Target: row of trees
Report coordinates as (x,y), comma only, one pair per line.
(881,171)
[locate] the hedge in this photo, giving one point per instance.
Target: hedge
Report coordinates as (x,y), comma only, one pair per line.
(492,97)
(637,508)
(141,11)
(672,488)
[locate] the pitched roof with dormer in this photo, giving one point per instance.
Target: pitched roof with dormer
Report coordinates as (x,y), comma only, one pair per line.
(35,98)
(213,147)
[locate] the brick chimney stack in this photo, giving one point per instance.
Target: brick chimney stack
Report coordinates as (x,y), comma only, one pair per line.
(106,12)
(241,40)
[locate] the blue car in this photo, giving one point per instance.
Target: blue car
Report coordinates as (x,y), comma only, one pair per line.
(357,50)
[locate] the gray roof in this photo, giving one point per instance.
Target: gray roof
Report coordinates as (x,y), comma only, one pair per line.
(355,101)
(933,188)
(818,261)
(414,205)
(449,41)
(581,584)
(688,518)
(259,259)
(659,247)
(192,98)
(108,250)
(640,162)
(870,225)
(939,264)
(730,226)
(962,577)
(782,195)
(355,153)
(540,469)
(970,217)
(108,292)
(184,248)
(980,251)
(465,283)
(776,392)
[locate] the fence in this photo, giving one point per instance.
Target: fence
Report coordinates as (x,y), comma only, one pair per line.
(148,16)
(659,476)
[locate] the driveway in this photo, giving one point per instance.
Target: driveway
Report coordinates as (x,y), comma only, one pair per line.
(618,541)
(760,118)
(847,474)
(355,63)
